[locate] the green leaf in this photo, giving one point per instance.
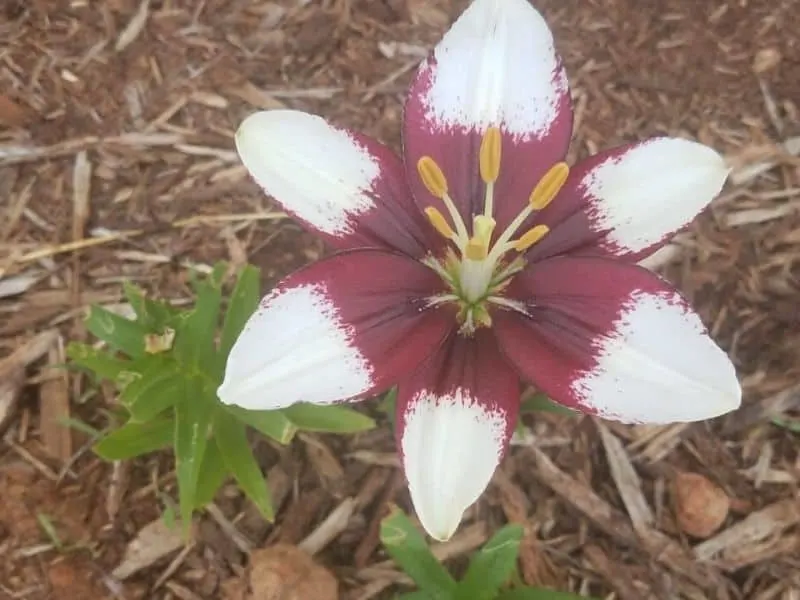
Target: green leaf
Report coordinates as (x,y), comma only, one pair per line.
(134,439)
(154,315)
(79,425)
(538,594)
(214,472)
(242,303)
(272,423)
(538,402)
(407,547)
(792,425)
(99,362)
(157,389)
(491,567)
(119,333)
(193,415)
(330,418)
(195,332)
(231,437)
(417,595)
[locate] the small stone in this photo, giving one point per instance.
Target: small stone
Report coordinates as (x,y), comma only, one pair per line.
(765,60)
(283,572)
(701,506)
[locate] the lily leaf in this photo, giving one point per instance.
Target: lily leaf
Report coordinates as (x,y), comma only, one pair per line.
(193,416)
(242,303)
(119,333)
(135,439)
(331,418)
(231,438)
(491,567)
(407,547)
(272,423)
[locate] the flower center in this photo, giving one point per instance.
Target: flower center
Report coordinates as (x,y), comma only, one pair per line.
(478,266)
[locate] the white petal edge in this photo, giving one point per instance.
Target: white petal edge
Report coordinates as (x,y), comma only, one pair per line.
(659,366)
(294,348)
(451,446)
(319,173)
(496,64)
(652,190)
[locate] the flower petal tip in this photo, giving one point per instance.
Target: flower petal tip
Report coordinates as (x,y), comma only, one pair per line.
(451,446)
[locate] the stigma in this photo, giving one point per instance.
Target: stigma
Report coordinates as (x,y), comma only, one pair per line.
(479,261)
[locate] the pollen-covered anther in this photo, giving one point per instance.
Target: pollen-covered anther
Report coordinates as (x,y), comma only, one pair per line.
(491,149)
(432,177)
(530,237)
(549,186)
(440,223)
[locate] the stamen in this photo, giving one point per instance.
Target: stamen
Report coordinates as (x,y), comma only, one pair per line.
(440,223)
(490,155)
(432,176)
(549,186)
(530,237)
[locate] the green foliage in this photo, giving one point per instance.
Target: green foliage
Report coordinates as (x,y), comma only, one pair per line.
(167,363)
(491,574)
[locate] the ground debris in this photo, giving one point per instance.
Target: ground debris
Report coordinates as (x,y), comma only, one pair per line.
(282,572)
(155,541)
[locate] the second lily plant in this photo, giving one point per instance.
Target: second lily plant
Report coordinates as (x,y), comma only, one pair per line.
(479,261)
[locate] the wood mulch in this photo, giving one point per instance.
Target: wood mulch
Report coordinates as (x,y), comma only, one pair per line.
(117,163)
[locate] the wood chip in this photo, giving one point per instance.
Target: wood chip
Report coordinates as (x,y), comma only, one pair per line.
(54,409)
(657,545)
(134,27)
(327,531)
(81,184)
(12,371)
(283,572)
(757,526)
(626,479)
(154,541)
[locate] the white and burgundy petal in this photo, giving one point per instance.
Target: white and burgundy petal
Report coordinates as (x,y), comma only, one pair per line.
(455,417)
(347,187)
(496,67)
(613,340)
(344,327)
(627,202)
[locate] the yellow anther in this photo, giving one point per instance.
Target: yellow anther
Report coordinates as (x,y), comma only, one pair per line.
(490,155)
(531,237)
(476,249)
(440,223)
(432,176)
(549,186)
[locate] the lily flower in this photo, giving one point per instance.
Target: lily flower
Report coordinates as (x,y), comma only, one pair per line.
(477,262)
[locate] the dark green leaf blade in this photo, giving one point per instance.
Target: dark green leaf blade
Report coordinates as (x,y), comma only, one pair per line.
(193,416)
(491,567)
(134,439)
(539,594)
(538,402)
(99,362)
(231,437)
(119,333)
(272,423)
(407,547)
(242,303)
(332,418)
(213,475)
(195,332)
